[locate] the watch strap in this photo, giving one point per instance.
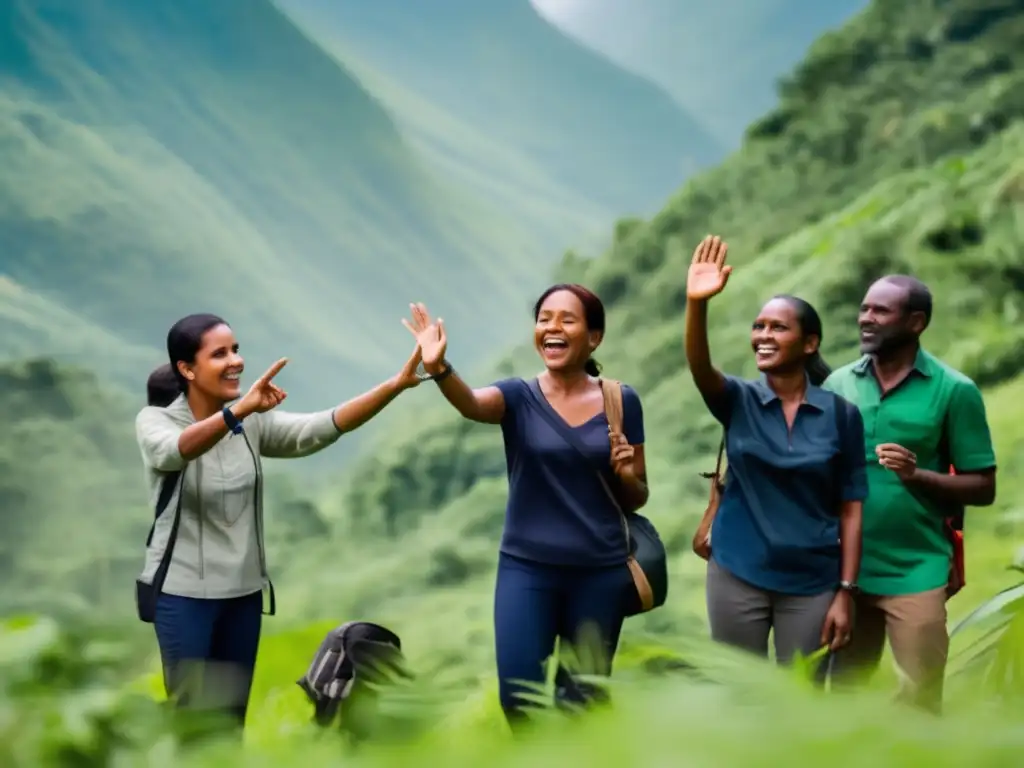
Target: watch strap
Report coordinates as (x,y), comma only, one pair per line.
(232,421)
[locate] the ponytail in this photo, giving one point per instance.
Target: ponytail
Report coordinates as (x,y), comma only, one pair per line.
(592,367)
(817,369)
(163,386)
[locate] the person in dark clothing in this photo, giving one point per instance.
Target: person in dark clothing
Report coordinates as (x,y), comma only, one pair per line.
(562,569)
(785,544)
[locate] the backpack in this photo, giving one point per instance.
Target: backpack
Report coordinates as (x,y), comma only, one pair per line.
(352,655)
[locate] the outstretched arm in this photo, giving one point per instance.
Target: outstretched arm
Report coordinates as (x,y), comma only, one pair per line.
(294,435)
(486,405)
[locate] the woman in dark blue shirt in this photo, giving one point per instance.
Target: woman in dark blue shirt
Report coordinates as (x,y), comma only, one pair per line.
(562,569)
(785,543)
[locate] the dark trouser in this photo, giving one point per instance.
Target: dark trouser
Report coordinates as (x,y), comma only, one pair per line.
(535,603)
(742,615)
(208,649)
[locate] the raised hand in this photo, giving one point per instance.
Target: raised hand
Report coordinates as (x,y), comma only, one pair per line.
(430,337)
(407,378)
(708,274)
(264,394)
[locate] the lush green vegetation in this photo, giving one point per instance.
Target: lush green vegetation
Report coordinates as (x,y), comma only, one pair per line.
(896,145)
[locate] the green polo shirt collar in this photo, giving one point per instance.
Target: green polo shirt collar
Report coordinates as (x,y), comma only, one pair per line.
(924,364)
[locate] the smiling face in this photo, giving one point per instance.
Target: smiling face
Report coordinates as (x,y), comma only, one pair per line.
(884,322)
(778,340)
(217,368)
(561,335)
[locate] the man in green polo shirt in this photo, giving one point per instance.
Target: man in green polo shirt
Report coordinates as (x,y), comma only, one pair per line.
(920,417)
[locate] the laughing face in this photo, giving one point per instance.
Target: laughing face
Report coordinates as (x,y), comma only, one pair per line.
(778,340)
(217,369)
(561,334)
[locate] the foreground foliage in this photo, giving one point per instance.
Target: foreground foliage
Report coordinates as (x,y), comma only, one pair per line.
(61,704)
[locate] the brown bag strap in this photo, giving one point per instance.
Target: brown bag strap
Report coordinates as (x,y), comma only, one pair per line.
(611,390)
(717,474)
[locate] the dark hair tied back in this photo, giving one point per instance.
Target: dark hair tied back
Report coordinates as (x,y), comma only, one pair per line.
(185,339)
(162,387)
(810,324)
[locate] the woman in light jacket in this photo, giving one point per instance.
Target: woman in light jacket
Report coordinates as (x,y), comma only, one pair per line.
(202,455)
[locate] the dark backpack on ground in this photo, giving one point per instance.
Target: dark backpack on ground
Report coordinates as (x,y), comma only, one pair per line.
(352,658)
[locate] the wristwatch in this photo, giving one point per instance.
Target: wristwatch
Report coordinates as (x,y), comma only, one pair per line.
(448,371)
(232,421)
(849,586)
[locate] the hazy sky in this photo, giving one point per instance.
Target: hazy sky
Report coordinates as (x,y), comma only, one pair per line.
(720,59)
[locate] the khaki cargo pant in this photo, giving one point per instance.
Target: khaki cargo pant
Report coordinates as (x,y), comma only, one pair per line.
(916,628)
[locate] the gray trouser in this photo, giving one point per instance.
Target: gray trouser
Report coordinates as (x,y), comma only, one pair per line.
(742,615)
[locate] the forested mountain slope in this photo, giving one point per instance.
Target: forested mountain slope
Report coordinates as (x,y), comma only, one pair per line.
(896,146)
(171,156)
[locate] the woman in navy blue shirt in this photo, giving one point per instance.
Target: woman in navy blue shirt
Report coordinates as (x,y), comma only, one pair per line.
(785,544)
(562,569)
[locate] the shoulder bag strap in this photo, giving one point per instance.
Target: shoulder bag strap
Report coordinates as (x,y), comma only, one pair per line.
(171,479)
(563,430)
(717,474)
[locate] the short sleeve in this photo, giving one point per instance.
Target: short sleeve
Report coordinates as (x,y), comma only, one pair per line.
(512,392)
(970,441)
(852,464)
(721,405)
(632,416)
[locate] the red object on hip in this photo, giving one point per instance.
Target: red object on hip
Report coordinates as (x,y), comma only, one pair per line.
(957,570)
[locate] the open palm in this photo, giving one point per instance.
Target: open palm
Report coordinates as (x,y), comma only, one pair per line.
(429,335)
(708,274)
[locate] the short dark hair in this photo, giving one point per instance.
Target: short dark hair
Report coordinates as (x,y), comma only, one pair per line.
(593,313)
(918,297)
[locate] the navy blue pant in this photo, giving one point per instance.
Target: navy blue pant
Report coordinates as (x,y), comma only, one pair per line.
(536,603)
(208,649)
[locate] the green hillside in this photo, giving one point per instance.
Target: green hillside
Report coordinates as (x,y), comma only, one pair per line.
(896,146)
(494,95)
(175,156)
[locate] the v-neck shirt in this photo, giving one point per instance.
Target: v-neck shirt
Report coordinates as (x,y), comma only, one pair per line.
(558,512)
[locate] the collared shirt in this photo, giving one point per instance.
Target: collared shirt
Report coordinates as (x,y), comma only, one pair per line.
(938,413)
(777,526)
